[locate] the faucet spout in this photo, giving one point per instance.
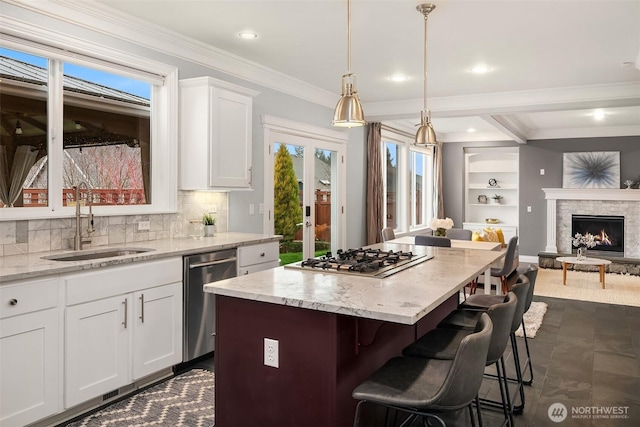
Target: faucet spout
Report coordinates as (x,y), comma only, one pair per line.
(78,239)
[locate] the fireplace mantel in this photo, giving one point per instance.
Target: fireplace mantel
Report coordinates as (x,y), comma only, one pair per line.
(554,194)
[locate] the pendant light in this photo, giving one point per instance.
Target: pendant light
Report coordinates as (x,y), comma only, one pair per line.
(349,110)
(425,135)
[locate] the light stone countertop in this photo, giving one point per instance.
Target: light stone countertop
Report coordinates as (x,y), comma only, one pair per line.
(404,297)
(26,266)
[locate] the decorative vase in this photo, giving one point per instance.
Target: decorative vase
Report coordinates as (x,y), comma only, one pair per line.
(209,230)
(582,253)
(440,232)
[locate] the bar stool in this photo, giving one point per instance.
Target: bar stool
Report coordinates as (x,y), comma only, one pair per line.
(483,302)
(422,387)
(424,240)
(442,342)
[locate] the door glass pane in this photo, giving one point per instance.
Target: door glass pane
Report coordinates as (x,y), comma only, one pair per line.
(288,192)
(392,185)
(23,144)
(106,136)
(325,199)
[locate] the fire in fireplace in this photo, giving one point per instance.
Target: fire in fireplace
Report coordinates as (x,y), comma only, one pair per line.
(607,229)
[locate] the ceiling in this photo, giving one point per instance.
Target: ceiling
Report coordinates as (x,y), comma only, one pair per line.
(553,62)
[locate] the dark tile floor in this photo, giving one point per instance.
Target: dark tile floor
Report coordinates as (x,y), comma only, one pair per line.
(585,356)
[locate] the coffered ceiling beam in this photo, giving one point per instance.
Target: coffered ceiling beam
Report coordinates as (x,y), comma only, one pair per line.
(509,127)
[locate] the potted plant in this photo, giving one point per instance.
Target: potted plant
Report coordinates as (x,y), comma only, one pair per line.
(497,198)
(209,222)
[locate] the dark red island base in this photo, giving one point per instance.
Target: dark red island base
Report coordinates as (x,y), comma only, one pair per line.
(322,356)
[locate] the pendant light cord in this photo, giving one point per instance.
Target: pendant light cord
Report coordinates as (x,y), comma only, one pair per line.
(348,36)
(426,16)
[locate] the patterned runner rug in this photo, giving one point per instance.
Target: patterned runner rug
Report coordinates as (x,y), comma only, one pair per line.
(185,400)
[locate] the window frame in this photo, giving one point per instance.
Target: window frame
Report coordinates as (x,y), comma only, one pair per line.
(163,121)
(404,199)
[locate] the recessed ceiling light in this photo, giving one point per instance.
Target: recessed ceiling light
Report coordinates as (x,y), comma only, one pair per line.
(598,115)
(247,35)
(471,130)
(398,78)
(481,69)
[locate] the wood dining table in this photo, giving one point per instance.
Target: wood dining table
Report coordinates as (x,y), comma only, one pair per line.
(463,244)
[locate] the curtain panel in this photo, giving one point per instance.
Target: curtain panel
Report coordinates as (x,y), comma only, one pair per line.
(375,185)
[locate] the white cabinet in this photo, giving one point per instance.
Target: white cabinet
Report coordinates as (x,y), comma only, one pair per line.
(490,172)
(122,324)
(215,134)
(258,257)
(30,357)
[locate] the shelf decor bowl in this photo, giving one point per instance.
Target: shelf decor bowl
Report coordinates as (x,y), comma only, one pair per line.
(492,220)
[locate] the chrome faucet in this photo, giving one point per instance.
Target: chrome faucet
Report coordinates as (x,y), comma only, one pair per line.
(78,238)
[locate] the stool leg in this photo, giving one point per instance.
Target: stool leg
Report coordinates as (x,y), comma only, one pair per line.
(517,409)
(528,362)
(356,420)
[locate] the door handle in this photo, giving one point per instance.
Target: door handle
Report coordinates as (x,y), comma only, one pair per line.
(142,308)
(125,302)
(308,224)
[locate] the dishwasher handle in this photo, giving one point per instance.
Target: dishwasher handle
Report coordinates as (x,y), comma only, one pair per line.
(216,262)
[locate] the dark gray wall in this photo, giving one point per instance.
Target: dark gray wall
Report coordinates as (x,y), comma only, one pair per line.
(535,155)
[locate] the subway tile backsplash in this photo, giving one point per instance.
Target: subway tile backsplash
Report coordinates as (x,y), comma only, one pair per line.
(19,237)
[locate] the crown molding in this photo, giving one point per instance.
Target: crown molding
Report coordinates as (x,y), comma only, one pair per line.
(102,19)
(590,132)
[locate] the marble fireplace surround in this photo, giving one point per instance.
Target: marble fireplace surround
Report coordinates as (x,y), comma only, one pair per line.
(563,202)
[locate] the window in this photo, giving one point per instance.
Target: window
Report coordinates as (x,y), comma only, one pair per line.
(408,183)
(113,121)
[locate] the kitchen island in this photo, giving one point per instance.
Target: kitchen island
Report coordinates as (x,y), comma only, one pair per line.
(332,332)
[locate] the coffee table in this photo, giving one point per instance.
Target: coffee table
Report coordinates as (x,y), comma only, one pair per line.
(588,261)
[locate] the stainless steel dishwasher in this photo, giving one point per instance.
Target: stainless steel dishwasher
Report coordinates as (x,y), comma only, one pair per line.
(199,306)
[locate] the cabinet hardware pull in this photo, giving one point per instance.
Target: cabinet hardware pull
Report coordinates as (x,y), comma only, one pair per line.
(250,175)
(125,302)
(142,307)
(13,301)
(262,254)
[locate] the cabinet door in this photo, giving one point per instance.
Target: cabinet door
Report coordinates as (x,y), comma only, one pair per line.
(29,367)
(97,348)
(230,151)
(157,332)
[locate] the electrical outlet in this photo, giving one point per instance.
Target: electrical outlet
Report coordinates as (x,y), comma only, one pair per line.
(528,208)
(144,225)
(252,209)
(541,171)
(271,353)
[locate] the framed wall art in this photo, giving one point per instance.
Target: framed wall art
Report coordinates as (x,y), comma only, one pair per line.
(593,169)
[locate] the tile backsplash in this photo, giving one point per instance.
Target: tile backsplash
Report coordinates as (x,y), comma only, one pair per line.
(19,237)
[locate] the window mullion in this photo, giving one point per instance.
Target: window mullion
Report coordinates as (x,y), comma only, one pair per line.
(55,134)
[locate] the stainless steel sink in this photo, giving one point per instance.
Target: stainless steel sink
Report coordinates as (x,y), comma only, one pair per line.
(96,254)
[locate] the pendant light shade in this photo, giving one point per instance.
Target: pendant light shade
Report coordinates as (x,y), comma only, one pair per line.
(348,112)
(426,135)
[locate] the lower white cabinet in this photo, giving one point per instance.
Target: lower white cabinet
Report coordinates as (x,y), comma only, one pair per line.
(30,354)
(258,257)
(113,340)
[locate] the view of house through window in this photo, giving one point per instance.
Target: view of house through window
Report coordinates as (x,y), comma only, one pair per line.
(106,134)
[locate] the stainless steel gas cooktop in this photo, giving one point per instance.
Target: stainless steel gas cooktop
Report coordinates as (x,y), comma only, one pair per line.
(362,262)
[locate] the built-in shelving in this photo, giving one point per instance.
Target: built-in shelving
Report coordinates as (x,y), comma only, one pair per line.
(481,166)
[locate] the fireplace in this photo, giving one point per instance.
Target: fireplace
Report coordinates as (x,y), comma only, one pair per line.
(608,230)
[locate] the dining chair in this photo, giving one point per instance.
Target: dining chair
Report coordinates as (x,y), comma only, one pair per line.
(459,234)
(423,240)
(388,234)
(509,265)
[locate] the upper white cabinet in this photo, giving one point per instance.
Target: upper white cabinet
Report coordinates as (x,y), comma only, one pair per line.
(215,134)
(490,172)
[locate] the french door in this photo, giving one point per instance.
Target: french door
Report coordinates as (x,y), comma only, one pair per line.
(304,188)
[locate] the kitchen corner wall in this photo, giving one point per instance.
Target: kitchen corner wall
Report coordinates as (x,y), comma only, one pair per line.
(42,235)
